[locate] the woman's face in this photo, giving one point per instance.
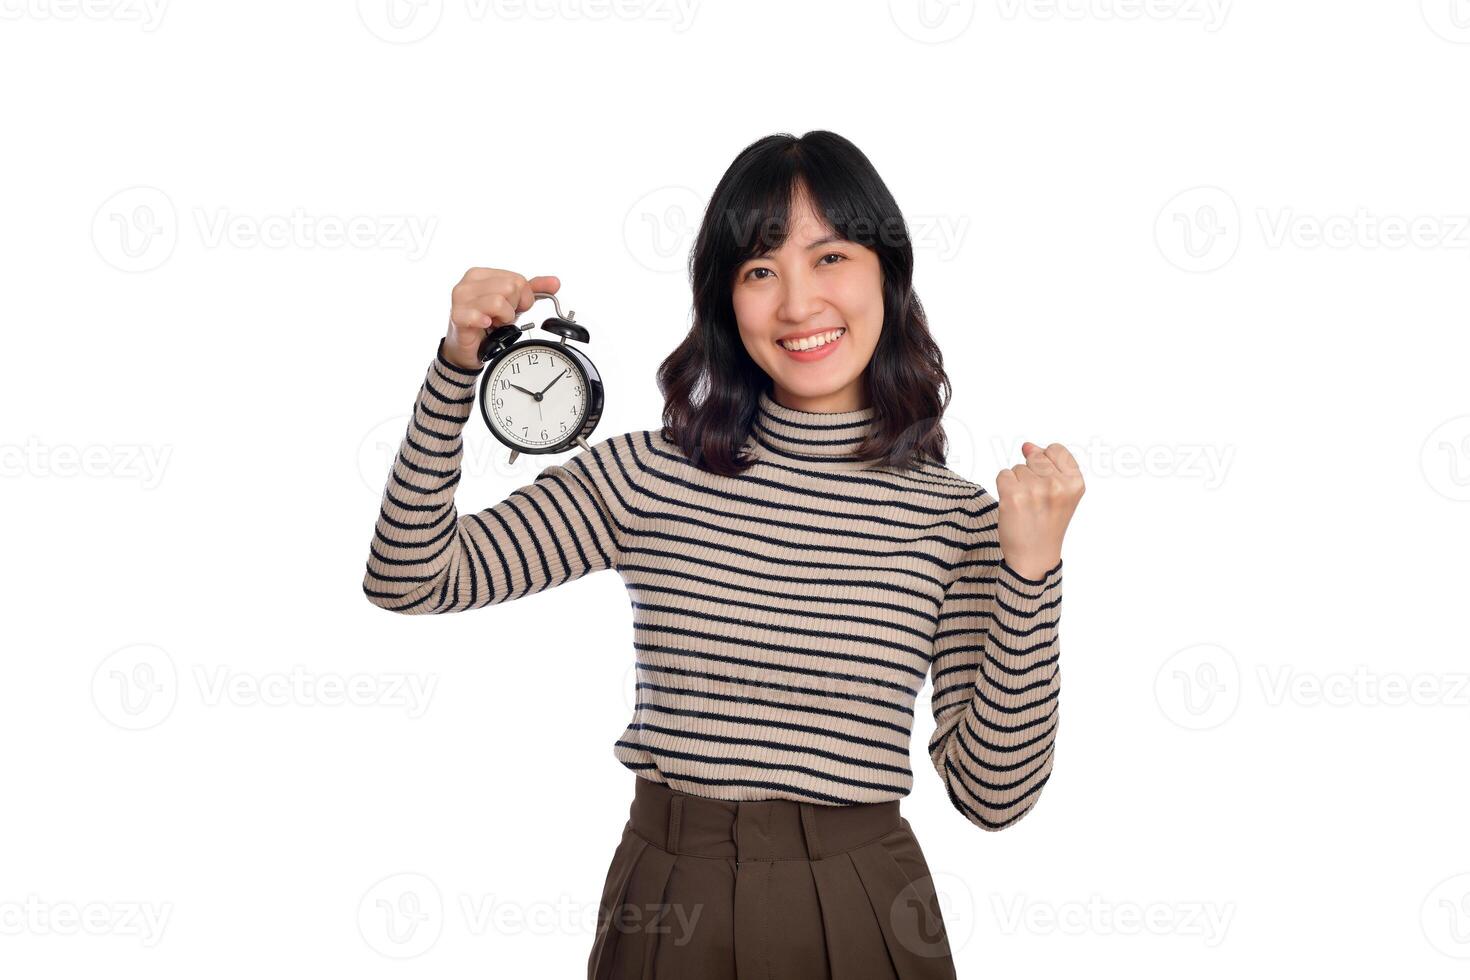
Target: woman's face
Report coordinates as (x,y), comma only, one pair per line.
(815,285)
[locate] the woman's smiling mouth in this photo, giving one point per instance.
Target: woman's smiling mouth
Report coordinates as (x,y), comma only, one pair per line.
(810,347)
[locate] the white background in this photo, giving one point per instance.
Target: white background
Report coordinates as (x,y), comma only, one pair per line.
(1220,250)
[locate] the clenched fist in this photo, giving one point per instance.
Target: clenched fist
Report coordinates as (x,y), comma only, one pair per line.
(1037,499)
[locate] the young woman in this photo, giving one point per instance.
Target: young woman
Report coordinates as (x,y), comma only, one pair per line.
(800,561)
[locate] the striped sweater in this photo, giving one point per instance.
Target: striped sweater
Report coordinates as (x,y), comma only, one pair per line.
(785,619)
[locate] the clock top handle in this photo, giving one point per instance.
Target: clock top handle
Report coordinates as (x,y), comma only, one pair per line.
(570,315)
(506,334)
(564,327)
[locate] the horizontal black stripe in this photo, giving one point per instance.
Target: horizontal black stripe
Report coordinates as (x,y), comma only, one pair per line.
(766,682)
(789,790)
(715,760)
(764,665)
(841,612)
(674,469)
(803,709)
(683,559)
(706,735)
(918,670)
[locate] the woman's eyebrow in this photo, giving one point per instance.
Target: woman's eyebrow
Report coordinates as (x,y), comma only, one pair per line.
(824,240)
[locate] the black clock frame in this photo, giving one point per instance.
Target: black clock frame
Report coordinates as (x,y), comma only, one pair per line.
(591,381)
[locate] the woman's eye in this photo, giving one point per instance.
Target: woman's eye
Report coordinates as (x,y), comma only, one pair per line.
(761,268)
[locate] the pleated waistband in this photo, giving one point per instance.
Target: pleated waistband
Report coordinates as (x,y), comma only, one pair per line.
(754,830)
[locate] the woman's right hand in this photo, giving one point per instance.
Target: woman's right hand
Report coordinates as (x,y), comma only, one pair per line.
(484,299)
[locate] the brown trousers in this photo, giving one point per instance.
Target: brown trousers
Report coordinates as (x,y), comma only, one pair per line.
(706,889)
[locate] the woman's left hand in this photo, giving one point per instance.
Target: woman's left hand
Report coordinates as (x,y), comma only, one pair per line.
(1037,499)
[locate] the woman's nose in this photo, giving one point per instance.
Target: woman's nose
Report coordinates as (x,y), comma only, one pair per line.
(800,300)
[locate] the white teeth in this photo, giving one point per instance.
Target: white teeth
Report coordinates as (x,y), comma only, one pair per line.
(814,341)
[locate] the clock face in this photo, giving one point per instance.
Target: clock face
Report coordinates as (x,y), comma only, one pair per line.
(514,408)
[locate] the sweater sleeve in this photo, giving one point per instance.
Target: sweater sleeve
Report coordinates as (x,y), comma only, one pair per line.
(427,558)
(996,679)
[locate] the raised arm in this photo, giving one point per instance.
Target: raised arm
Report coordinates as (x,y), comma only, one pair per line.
(427,558)
(996,680)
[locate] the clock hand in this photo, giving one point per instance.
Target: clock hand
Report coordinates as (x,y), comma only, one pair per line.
(553,381)
(519,388)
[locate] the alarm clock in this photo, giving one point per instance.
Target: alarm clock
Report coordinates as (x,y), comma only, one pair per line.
(539,396)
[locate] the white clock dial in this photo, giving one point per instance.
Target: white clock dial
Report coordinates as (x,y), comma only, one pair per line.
(518,414)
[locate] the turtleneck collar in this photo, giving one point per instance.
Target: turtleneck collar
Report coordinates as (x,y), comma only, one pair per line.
(816,436)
